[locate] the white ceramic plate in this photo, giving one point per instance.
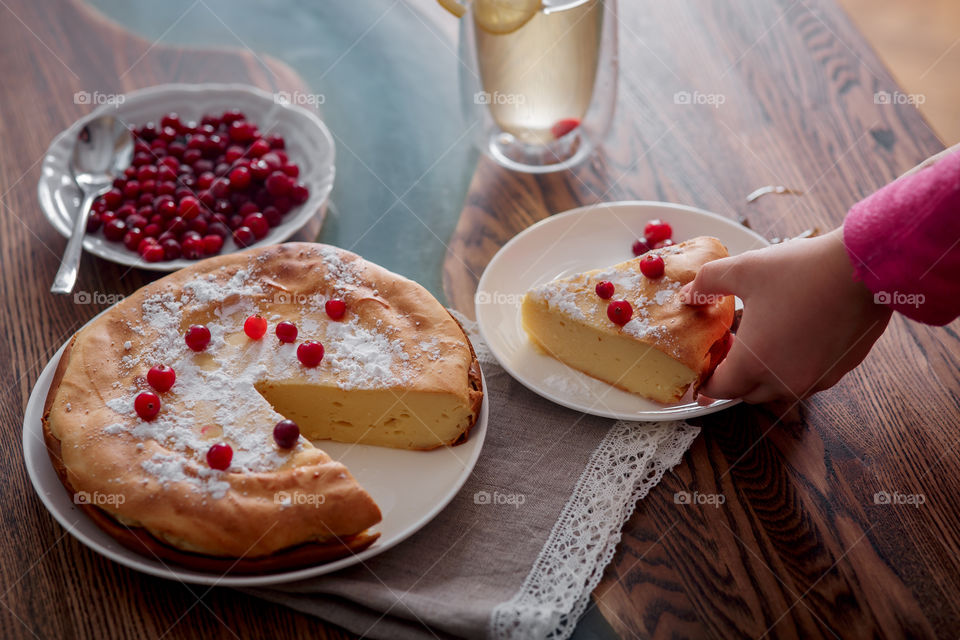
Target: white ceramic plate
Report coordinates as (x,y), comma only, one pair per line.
(308,141)
(591,237)
(408,497)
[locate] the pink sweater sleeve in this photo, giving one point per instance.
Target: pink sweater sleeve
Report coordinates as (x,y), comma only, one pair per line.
(904,242)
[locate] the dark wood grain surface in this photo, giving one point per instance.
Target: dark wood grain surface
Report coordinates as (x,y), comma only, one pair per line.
(798,549)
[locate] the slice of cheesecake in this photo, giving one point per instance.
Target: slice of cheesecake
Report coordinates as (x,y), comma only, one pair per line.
(662,350)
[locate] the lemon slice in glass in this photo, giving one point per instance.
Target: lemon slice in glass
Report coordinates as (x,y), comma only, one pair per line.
(497,16)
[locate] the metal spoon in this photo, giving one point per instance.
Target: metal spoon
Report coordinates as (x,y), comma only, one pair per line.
(104,148)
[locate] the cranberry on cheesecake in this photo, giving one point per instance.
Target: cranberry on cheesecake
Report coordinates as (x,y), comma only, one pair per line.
(626,325)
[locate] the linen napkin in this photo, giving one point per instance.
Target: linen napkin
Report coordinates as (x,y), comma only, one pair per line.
(518,551)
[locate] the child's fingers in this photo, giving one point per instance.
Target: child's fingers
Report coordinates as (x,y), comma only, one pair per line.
(714,278)
(734,377)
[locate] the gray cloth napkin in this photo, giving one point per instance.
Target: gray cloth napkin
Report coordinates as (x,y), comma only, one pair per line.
(518,551)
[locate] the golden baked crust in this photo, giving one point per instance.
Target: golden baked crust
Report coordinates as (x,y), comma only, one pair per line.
(171,502)
(695,336)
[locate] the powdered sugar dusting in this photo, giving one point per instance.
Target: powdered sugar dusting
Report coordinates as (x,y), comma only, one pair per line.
(213,402)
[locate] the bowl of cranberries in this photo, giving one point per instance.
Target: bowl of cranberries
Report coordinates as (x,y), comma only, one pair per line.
(216,169)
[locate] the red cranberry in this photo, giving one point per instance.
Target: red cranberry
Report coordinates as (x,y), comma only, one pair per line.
(619,312)
(219,456)
(562,127)
(286,331)
(147,405)
(197,337)
(299,194)
(242,131)
(147,172)
(257,224)
(278,183)
(132,238)
(198,142)
(161,377)
(93,222)
(232,115)
(166,208)
(136,221)
(260,169)
(112,198)
(247,208)
(115,230)
(170,120)
(640,247)
(171,249)
(167,134)
(258,148)
(605,289)
(656,230)
(212,244)
(192,155)
(240,178)
(176,225)
(286,433)
(272,214)
(310,353)
(220,188)
(152,230)
(189,207)
(335,308)
(291,170)
(192,248)
(154,253)
(651,265)
(219,229)
(233,153)
(243,236)
(176,149)
(283,205)
(145,243)
(276,142)
(255,327)
(205,179)
(198,224)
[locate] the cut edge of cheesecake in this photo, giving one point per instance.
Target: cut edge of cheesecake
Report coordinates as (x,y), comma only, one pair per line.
(418,420)
(672,348)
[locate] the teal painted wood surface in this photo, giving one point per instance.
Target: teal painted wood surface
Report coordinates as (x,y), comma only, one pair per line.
(389,90)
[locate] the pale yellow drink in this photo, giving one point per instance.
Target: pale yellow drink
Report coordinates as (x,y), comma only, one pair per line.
(538,75)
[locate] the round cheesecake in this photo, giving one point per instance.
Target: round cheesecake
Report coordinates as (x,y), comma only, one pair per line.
(397,371)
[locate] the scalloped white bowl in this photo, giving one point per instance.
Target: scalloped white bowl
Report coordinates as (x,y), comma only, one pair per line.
(308,141)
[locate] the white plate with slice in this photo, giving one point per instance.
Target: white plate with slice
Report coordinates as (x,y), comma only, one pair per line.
(308,141)
(407,497)
(592,237)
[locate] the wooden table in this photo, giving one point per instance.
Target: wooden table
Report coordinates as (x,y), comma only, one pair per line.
(798,549)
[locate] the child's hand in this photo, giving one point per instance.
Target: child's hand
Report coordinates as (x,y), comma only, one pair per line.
(805,322)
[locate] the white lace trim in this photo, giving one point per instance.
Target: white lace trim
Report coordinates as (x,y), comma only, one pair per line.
(630,460)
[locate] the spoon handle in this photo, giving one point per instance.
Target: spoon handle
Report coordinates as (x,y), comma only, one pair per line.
(70,264)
